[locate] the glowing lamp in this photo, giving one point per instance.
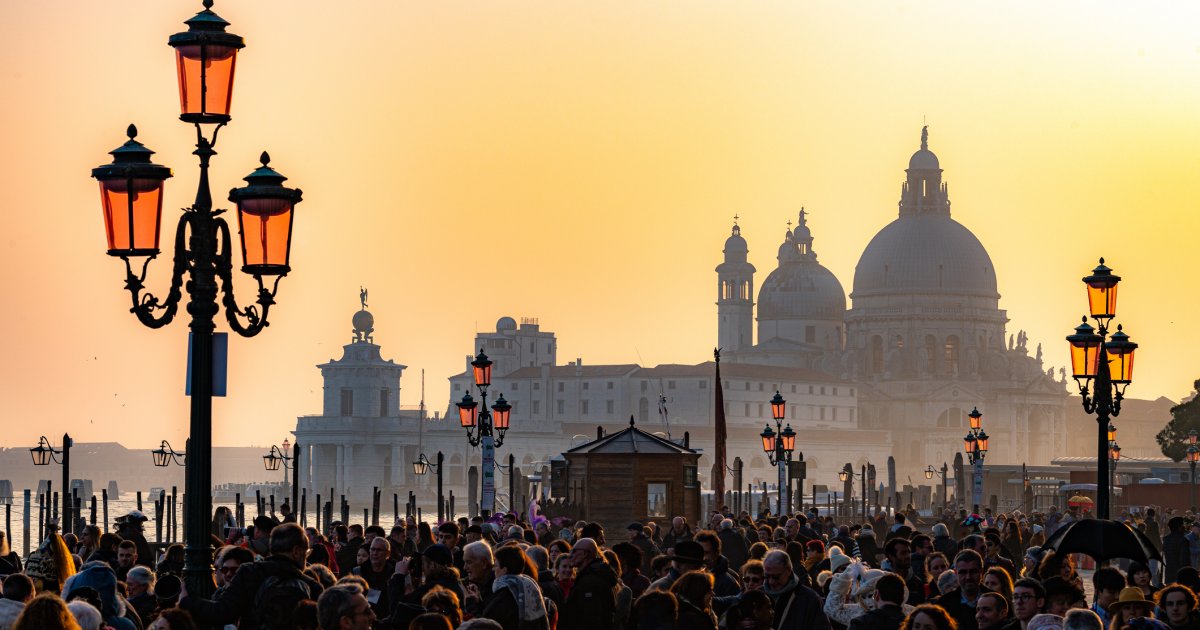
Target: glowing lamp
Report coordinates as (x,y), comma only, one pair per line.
(843,475)
(287,446)
(969,443)
(421,466)
(1193,454)
(1102,292)
(131,192)
(1112,432)
(1085,351)
(982,443)
(929,472)
(265,220)
(788,436)
(467,409)
(1192,435)
(1115,452)
(271,461)
(205,56)
(501,412)
(976,418)
(778,407)
(1120,357)
(482,367)
(768,440)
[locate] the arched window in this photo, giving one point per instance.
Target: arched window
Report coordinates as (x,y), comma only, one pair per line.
(876,354)
(950,352)
(952,418)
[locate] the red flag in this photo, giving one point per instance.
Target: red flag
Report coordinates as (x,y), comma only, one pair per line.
(720,435)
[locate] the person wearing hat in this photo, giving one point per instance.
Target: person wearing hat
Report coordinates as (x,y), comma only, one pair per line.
(1130,604)
(687,555)
(131,527)
(639,539)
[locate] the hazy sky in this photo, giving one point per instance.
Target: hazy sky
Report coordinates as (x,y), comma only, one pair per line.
(581,162)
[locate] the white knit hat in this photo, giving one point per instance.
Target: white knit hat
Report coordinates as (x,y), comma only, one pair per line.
(837,559)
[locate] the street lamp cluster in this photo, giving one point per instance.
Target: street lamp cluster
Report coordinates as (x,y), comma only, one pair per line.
(976,446)
(131,194)
(1193,456)
(779,445)
(1102,365)
(484,428)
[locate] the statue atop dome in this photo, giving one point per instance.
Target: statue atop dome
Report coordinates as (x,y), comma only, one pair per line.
(363,320)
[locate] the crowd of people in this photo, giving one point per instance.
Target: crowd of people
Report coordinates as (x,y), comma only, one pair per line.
(801,571)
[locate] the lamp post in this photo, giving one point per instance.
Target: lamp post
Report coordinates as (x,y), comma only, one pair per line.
(484,429)
(131,190)
(930,471)
(164,455)
(779,445)
(1193,456)
(976,446)
(289,456)
(847,474)
(1102,365)
(420,467)
(43,454)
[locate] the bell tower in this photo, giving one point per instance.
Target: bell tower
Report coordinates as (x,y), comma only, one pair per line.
(735,290)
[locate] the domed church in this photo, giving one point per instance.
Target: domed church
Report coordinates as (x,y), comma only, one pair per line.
(924,337)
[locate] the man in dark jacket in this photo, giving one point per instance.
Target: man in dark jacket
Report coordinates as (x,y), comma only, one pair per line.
(592,601)
(888,613)
(678,532)
(248,599)
(796,606)
(733,545)
(639,539)
(348,554)
(725,582)
(960,602)
(1176,551)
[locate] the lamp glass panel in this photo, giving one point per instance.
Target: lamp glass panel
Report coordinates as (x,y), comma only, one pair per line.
(976,420)
(983,444)
(789,441)
(1085,359)
(211,64)
(420,467)
(132,213)
(500,418)
(929,473)
(270,462)
(466,415)
(768,441)
(266,231)
(1121,367)
(778,410)
(41,456)
(483,375)
(1102,299)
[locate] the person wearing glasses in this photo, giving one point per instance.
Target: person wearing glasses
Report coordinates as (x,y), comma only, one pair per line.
(343,607)
(796,606)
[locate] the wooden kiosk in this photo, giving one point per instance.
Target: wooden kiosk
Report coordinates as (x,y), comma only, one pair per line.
(633,476)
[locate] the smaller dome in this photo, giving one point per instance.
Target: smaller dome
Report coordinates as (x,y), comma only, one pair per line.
(735,243)
(923,159)
(506,323)
(787,249)
(363,321)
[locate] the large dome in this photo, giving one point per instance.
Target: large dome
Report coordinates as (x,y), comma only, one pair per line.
(927,253)
(801,290)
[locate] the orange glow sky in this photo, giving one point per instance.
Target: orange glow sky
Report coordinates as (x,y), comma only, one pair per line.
(580,162)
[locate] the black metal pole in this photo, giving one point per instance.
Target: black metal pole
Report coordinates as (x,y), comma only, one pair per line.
(945,496)
(1104,407)
(1192,479)
(68,525)
(296,478)
(512,483)
(441,501)
(863,481)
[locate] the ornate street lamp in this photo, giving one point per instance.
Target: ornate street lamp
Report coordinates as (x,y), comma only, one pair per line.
(1103,367)
(421,466)
(164,455)
(277,456)
(976,446)
(43,454)
(779,444)
(131,192)
(485,428)
(930,471)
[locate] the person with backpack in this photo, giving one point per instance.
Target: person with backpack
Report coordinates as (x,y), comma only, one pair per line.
(262,594)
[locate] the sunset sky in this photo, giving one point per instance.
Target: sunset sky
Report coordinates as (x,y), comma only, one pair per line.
(581,162)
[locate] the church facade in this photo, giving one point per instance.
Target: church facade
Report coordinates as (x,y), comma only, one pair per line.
(894,371)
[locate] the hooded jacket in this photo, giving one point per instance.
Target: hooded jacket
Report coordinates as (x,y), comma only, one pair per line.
(797,607)
(100,576)
(237,600)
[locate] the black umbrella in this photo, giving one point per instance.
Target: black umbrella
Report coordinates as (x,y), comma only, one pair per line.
(1103,540)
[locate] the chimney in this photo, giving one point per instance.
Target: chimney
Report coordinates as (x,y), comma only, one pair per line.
(599,432)
(687,440)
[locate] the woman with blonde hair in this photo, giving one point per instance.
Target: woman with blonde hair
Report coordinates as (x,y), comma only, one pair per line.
(46,612)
